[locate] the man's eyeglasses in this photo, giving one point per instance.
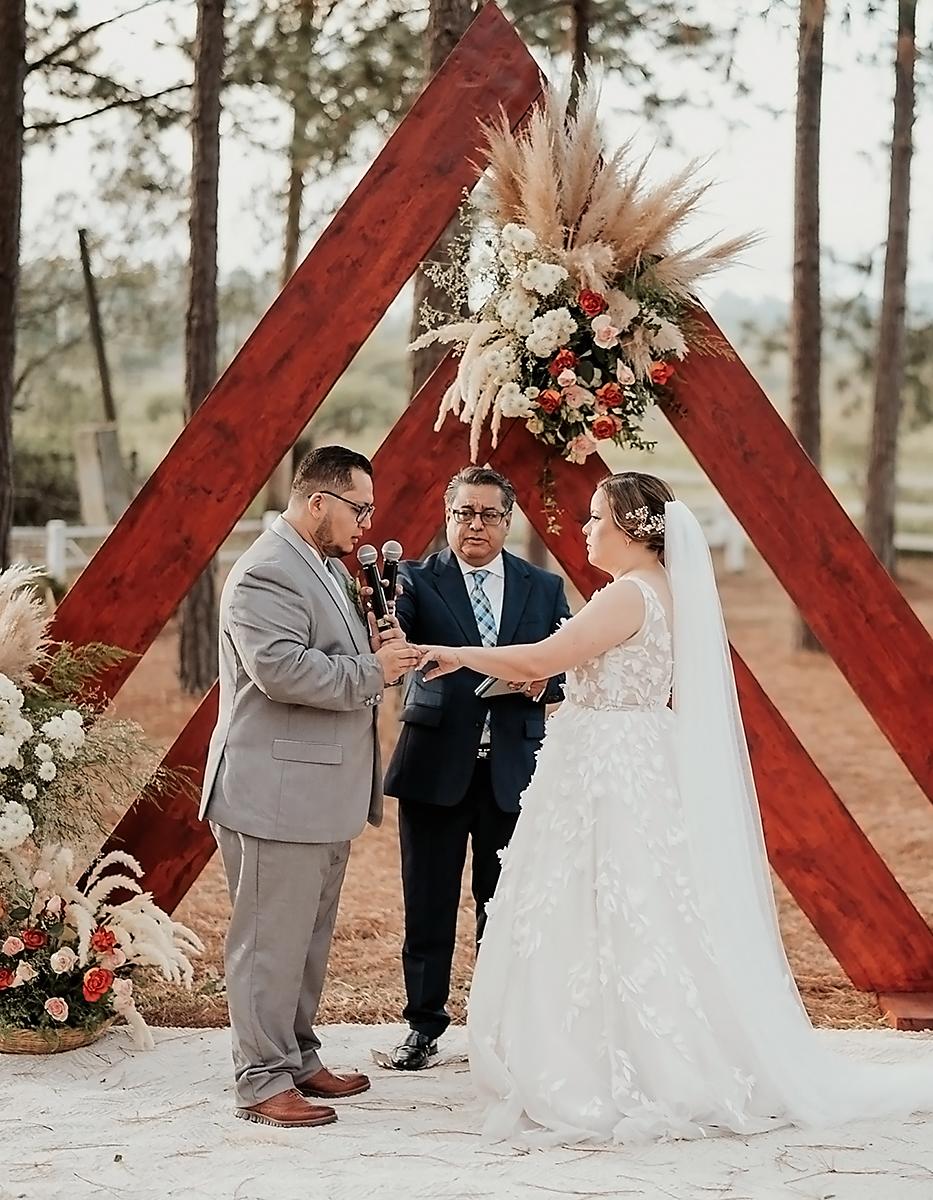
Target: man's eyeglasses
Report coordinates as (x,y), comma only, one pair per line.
(363,511)
(489,516)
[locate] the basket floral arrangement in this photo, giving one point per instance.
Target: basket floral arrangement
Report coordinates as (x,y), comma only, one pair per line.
(579,306)
(67,954)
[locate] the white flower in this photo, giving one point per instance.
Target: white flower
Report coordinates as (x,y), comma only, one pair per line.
(72,717)
(42,880)
(54,906)
(63,961)
(605,334)
(624,374)
(44,752)
(512,402)
(566,378)
(15,825)
(532,393)
(10,693)
(518,237)
(24,974)
(48,771)
(543,278)
(668,339)
(549,331)
(28,791)
(535,425)
(18,763)
(115,959)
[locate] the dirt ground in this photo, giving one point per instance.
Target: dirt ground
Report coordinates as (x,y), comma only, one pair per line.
(364,983)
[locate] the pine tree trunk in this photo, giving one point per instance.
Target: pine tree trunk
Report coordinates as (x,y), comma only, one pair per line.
(198,649)
(12,75)
(280,483)
(806,313)
(580,18)
(881,484)
(447,23)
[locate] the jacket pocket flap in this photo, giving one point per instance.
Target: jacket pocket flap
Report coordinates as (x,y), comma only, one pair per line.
(308,752)
(534,727)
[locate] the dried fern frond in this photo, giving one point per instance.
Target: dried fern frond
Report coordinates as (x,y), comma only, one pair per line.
(680,270)
(24,622)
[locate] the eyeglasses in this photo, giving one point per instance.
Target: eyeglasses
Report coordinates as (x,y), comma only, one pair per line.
(363,511)
(489,516)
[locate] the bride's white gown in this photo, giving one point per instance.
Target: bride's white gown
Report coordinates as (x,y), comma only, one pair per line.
(604,1003)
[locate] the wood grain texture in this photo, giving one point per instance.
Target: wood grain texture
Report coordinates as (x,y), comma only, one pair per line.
(912,1011)
(299,349)
(820,853)
(802,532)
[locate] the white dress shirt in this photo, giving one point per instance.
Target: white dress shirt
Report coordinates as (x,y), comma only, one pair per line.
(493,584)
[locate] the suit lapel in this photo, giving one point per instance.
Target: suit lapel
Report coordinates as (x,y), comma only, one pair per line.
(294,539)
(515,596)
(448,579)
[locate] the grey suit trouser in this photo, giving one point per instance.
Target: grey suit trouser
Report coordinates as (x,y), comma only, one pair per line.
(284,897)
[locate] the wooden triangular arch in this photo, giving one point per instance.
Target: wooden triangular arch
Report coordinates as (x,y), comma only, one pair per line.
(298,351)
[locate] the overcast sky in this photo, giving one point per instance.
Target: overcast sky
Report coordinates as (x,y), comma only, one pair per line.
(749,146)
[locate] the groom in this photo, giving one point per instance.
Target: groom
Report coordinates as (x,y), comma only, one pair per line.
(292,776)
(462,763)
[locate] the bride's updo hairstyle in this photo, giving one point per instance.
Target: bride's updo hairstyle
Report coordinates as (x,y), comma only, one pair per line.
(636,502)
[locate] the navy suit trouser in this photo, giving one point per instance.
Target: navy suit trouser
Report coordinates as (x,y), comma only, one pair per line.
(433,841)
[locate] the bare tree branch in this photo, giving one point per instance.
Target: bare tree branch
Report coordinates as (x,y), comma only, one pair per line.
(43,126)
(83,33)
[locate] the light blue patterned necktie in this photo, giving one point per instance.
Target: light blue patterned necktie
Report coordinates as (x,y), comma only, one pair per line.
(482,609)
(485,623)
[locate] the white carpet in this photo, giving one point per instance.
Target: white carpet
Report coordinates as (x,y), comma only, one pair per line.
(112,1122)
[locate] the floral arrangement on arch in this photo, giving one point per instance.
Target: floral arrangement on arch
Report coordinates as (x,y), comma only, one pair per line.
(67,953)
(584,309)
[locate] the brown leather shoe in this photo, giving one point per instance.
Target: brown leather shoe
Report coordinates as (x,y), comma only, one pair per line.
(288,1109)
(325,1085)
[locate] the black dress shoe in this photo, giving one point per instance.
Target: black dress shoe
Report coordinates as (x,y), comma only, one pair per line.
(414,1052)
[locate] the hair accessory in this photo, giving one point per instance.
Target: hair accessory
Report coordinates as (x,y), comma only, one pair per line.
(645,525)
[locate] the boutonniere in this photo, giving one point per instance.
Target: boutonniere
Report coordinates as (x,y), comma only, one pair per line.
(352,584)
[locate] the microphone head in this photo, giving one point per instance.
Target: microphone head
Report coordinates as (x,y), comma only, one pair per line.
(392,551)
(367,555)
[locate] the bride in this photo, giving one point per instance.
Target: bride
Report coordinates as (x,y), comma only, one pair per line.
(631,982)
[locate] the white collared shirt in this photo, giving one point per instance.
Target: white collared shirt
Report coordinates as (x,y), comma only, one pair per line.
(493,584)
(332,578)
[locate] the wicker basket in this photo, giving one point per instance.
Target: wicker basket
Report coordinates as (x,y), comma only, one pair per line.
(49,1041)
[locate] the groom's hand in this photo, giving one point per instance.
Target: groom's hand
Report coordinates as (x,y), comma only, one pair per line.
(533,690)
(391,631)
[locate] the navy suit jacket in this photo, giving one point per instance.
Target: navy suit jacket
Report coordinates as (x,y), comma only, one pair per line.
(442,720)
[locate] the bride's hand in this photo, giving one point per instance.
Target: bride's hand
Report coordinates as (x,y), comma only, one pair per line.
(437,661)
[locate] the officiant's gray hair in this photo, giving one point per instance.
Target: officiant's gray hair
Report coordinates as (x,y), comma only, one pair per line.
(474,476)
(636,501)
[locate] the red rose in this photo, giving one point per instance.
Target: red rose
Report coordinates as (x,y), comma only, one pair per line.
(564,360)
(34,939)
(549,400)
(97,983)
(610,394)
(605,427)
(103,940)
(6,978)
(592,303)
(661,372)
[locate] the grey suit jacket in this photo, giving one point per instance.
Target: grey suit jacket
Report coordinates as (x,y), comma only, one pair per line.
(294,756)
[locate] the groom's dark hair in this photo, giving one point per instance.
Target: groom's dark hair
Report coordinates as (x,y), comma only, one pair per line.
(329,468)
(481,477)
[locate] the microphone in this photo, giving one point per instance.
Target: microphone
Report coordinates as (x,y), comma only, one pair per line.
(367,557)
(391,553)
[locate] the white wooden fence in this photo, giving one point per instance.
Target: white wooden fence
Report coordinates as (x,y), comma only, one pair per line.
(65,549)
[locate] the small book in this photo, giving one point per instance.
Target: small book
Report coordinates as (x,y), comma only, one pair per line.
(490,687)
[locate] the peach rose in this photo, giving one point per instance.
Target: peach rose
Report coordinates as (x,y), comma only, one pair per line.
(592,303)
(549,400)
(13,945)
(563,360)
(57,1008)
(661,372)
(605,427)
(97,983)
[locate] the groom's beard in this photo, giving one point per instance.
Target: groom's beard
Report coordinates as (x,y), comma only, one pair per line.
(327,542)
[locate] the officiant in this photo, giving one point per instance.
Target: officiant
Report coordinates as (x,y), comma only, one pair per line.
(462,762)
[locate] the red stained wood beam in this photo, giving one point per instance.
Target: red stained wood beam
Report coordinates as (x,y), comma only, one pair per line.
(300,348)
(802,532)
(825,860)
